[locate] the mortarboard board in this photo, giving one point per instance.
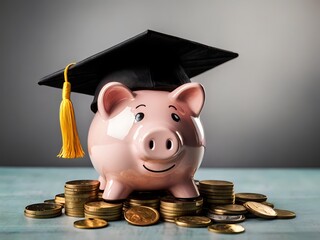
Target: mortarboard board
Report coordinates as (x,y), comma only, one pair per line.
(150,60)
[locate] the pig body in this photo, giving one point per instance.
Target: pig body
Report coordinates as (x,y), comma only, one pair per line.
(147,140)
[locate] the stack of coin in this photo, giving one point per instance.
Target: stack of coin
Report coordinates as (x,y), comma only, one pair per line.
(231,213)
(60,199)
(149,199)
(77,193)
(43,210)
(171,208)
(103,210)
(216,192)
(100,193)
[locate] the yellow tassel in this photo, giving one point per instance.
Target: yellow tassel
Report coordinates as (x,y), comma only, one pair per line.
(71,146)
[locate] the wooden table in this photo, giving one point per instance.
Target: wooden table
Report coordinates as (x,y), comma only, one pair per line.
(293,189)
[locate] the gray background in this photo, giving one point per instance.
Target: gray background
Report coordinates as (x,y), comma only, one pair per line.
(262,109)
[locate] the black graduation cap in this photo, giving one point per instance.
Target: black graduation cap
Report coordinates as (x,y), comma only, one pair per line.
(150,60)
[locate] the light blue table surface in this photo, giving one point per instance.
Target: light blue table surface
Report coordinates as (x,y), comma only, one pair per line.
(293,189)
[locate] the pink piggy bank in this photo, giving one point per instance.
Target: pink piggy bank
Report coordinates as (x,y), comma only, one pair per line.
(147,140)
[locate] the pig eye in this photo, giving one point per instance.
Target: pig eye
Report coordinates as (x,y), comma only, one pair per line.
(139,116)
(175,117)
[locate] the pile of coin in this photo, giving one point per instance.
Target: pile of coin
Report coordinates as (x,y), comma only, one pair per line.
(103,210)
(82,198)
(77,193)
(216,192)
(172,208)
(149,199)
(43,210)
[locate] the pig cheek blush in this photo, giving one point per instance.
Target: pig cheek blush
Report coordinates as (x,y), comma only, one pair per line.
(146,133)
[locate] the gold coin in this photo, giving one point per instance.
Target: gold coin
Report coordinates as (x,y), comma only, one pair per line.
(119,212)
(49,201)
(230,209)
(78,215)
(82,184)
(179,208)
(90,223)
(256,197)
(268,204)
(260,210)
(102,206)
(141,216)
(215,197)
(284,214)
(42,216)
(226,218)
(60,198)
(178,214)
(193,221)
(226,228)
(43,209)
(220,202)
(216,184)
(106,217)
(171,201)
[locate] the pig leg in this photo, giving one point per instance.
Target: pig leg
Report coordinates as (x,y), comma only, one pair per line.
(102,181)
(116,190)
(186,189)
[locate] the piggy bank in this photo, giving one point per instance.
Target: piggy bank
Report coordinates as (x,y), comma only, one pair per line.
(147,140)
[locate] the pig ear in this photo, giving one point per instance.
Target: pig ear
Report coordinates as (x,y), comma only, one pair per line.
(191,95)
(110,96)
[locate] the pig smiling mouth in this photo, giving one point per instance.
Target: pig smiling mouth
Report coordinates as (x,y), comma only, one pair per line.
(159,171)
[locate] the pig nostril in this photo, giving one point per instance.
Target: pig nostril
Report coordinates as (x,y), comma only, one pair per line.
(169,144)
(151,144)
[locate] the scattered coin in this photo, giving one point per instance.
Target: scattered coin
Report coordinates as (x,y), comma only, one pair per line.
(90,223)
(284,214)
(43,210)
(226,218)
(141,216)
(193,221)
(260,210)
(226,228)
(268,204)
(245,197)
(49,201)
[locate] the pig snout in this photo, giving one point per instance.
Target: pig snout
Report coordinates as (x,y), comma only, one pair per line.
(159,144)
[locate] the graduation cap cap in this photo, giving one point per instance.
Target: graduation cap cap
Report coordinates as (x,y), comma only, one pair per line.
(150,60)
